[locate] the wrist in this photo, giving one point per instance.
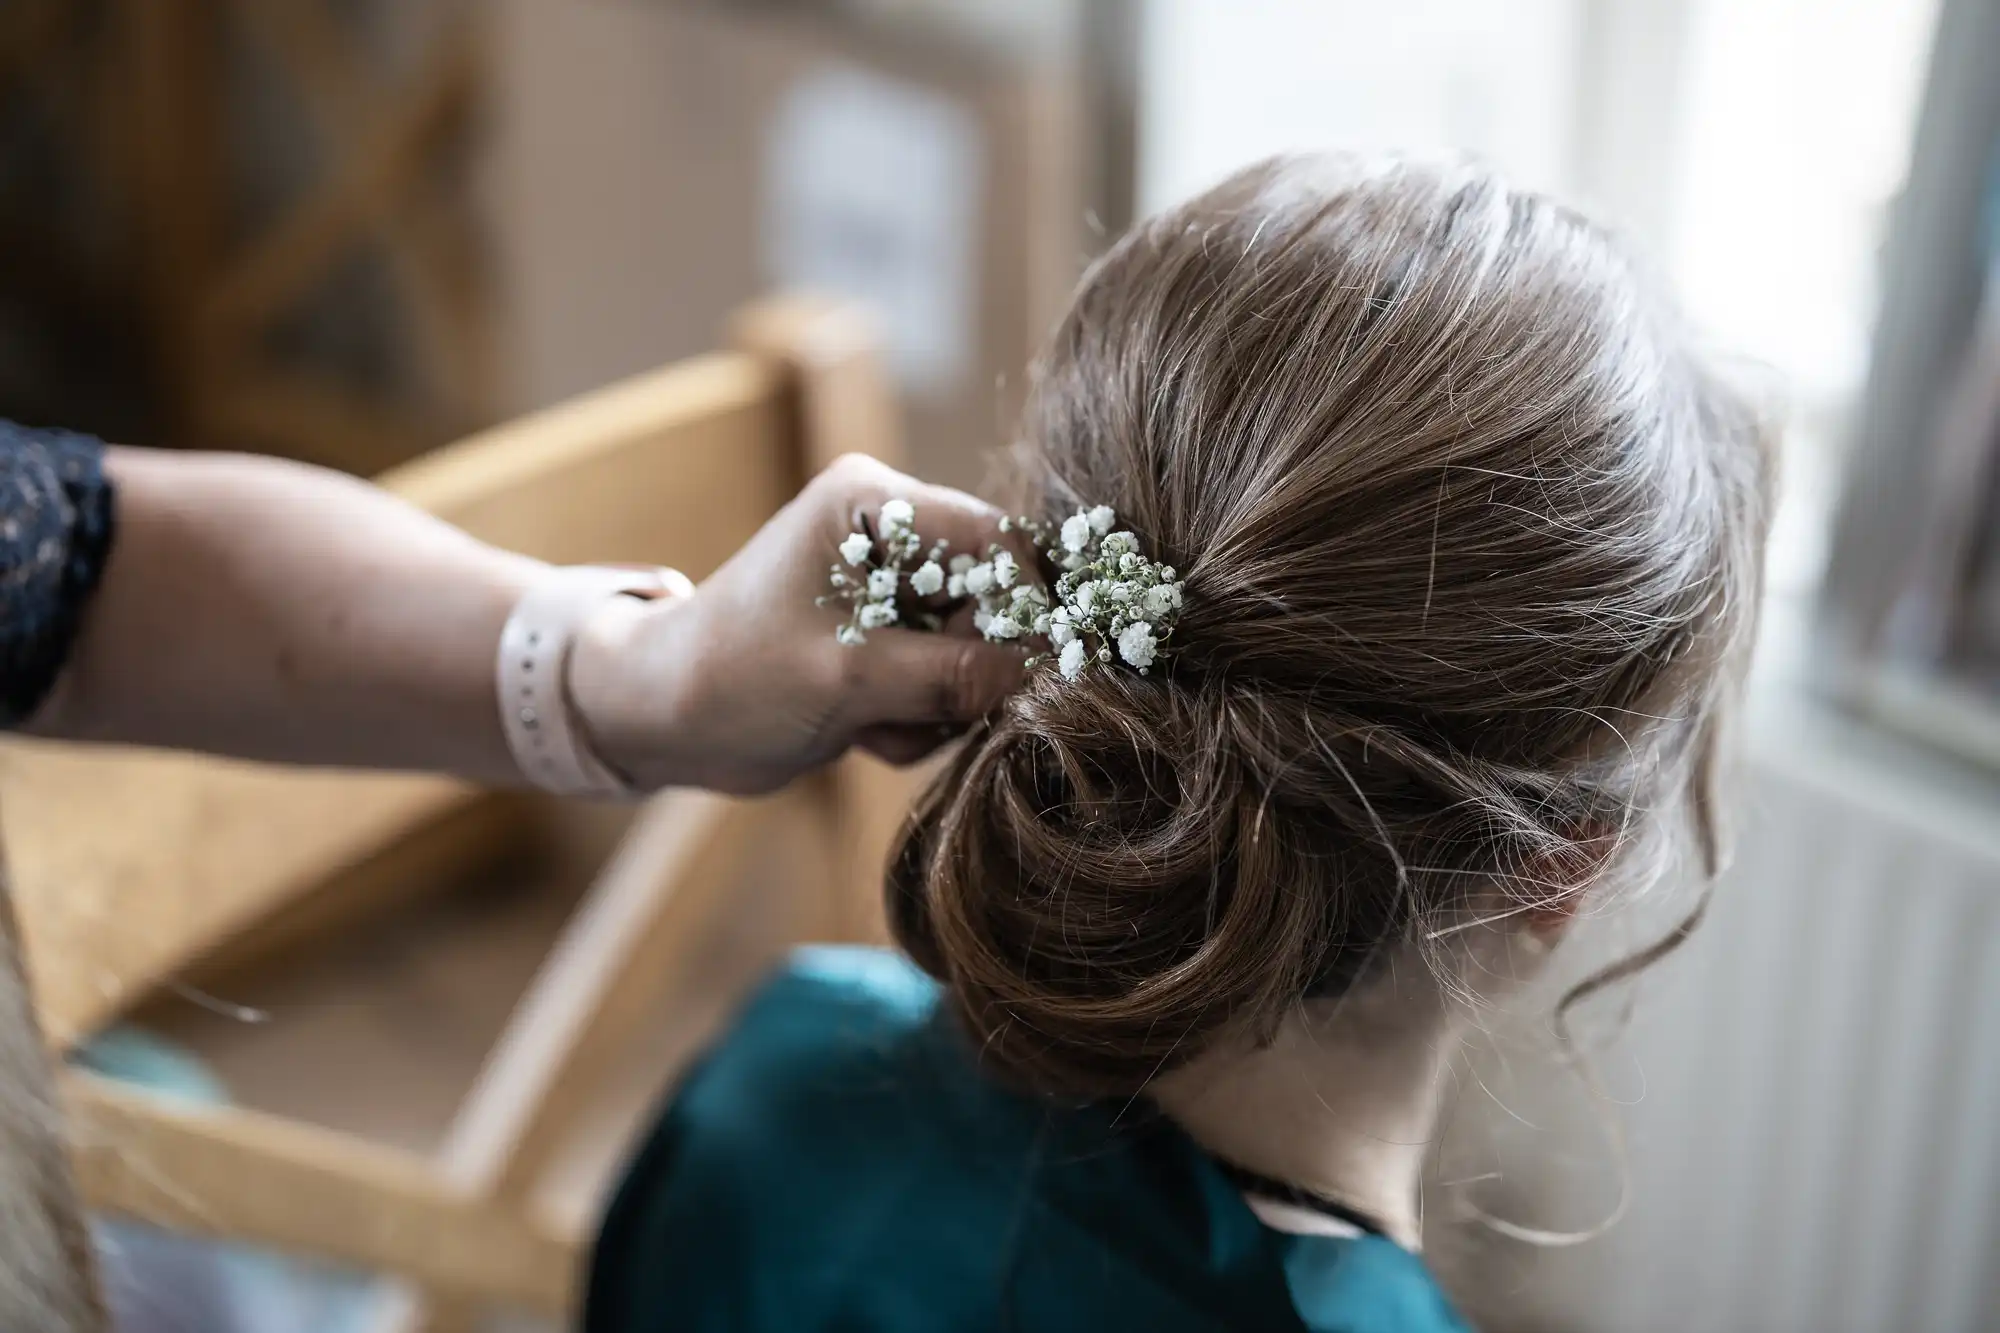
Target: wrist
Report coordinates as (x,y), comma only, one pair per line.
(570,646)
(627,687)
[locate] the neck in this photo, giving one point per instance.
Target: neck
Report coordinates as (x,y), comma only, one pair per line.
(1344,1102)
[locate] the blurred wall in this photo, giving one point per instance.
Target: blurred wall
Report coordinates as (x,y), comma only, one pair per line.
(657,165)
(1223,83)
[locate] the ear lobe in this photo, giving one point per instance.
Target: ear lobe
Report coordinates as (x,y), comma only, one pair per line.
(1548,920)
(1558,880)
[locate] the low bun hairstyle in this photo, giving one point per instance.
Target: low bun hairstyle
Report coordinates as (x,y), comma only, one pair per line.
(1470,542)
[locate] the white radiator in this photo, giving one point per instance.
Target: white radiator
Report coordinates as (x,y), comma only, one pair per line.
(1814,1083)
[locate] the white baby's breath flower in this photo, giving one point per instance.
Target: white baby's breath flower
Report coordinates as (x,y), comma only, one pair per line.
(1121,607)
(1137,644)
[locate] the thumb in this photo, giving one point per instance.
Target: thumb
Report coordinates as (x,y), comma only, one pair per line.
(908,676)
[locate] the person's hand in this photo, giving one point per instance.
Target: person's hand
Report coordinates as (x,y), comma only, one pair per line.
(742,687)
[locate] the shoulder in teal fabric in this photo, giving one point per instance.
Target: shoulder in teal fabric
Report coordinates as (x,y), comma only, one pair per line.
(838,1162)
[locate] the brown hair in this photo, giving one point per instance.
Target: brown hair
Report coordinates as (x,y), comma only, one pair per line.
(47,1269)
(1470,536)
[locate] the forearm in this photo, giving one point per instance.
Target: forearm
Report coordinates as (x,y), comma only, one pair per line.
(273,611)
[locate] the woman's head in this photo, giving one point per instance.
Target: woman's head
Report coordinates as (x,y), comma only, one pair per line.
(1470,539)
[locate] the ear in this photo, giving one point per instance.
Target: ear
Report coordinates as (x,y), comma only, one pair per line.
(1557,881)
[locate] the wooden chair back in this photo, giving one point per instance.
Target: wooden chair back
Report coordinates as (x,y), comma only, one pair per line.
(130,867)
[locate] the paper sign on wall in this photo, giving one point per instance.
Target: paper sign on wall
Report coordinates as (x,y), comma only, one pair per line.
(872,191)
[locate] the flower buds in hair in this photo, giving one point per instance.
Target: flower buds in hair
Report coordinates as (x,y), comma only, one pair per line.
(1111,603)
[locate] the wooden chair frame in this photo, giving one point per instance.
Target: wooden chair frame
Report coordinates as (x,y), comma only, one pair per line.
(137,93)
(802,387)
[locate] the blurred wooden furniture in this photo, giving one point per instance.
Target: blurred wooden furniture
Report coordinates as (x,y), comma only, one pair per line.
(269,201)
(378,148)
(128,868)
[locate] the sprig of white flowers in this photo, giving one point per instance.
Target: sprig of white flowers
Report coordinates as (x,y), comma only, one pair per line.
(1110,603)
(1108,597)
(868,583)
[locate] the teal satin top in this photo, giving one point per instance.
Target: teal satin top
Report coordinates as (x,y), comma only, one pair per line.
(838,1162)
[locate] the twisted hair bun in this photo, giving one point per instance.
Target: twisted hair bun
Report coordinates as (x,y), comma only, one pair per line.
(1098,888)
(1468,539)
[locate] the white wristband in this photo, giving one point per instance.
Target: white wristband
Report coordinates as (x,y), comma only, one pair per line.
(532,672)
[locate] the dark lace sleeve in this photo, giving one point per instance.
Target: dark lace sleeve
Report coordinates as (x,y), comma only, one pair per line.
(55,533)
